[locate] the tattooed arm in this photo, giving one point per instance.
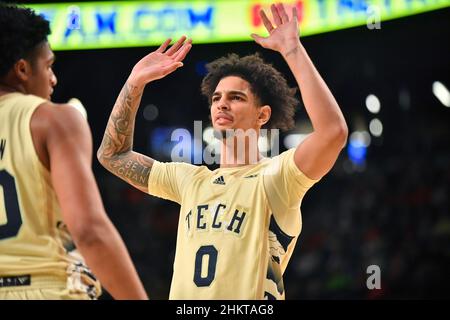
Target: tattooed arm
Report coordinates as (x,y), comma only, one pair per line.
(116,151)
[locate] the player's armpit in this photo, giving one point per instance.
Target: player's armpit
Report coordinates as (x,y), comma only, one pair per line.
(131,166)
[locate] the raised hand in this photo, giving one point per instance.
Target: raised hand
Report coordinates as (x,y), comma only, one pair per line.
(160,62)
(284,36)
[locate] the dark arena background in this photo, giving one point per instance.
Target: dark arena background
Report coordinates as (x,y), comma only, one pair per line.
(385,202)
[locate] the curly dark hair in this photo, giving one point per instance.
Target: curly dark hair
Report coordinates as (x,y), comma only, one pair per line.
(266,83)
(21,31)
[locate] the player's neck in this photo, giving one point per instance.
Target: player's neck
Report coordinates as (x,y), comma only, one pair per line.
(5,89)
(237,152)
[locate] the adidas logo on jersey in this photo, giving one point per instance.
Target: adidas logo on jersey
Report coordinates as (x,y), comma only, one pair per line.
(219,180)
(14,281)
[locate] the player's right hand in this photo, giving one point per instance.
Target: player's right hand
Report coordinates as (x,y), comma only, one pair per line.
(160,62)
(283,33)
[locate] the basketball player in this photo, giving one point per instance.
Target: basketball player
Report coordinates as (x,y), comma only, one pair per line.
(47,189)
(238,224)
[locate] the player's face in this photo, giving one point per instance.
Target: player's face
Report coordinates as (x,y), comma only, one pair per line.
(234,105)
(41,79)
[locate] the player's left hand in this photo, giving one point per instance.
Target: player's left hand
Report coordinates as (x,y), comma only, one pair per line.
(160,62)
(284,36)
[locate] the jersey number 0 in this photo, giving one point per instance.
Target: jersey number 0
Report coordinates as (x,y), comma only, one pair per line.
(203,251)
(13,217)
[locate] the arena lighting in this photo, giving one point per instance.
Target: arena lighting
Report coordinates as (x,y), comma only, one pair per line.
(159,141)
(373,103)
(293,140)
(376,127)
(357,147)
(150,112)
(441,92)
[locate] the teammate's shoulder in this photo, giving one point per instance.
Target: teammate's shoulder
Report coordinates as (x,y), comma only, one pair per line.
(60,117)
(61,112)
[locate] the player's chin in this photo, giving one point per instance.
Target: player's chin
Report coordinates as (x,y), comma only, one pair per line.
(50,92)
(49,96)
(226,125)
(222,127)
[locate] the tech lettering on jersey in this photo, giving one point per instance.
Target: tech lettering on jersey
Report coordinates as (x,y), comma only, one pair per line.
(207,217)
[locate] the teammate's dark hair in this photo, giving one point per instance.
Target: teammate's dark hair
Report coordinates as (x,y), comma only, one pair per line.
(266,83)
(21,31)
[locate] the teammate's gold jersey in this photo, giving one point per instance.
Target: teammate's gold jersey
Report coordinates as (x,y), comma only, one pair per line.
(237,226)
(34,242)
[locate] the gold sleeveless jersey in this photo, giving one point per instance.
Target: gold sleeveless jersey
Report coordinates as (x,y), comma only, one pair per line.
(34,242)
(237,227)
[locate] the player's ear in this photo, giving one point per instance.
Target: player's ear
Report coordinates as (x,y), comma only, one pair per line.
(264,114)
(22,70)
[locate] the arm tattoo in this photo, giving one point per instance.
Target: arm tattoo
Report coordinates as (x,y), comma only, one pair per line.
(294,50)
(115,152)
(134,168)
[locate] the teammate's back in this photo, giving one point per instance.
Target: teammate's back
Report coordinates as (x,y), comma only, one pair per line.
(34,241)
(47,189)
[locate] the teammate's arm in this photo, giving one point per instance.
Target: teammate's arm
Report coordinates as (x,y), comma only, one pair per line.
(68,147)
(116,151)
(316,155)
